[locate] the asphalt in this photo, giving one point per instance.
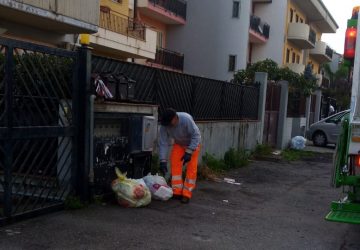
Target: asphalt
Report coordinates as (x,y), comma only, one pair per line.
(279,205)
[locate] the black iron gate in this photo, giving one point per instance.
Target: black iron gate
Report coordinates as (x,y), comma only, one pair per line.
(37,127)
(271,118)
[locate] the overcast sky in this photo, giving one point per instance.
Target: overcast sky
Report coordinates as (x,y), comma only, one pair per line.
(341,11)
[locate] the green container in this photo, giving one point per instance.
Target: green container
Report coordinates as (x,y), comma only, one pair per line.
(352,23)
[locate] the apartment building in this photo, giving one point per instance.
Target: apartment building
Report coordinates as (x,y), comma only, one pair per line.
(120,35)
(51,22)
(231,34)
(161,16)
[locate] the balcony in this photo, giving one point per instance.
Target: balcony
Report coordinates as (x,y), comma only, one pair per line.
(165,11)
(121,37)
(296,67)
(301,35)
(321,53)
(62,17)
(259,31)
(169,59)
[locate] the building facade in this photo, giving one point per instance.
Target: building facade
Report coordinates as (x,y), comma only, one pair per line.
(231,34)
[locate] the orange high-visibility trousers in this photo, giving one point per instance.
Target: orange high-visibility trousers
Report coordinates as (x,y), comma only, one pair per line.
(179,186)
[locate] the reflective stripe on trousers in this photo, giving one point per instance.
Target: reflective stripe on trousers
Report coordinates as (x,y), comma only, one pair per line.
(186,188)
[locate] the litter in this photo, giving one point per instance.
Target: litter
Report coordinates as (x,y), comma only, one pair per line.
(231,181)
(130,192)
(158,187)
(226,201)
(298,142)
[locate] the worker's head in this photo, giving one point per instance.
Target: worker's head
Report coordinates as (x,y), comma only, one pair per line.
(169,117)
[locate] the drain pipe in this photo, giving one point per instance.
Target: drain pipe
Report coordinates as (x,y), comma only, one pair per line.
(91,146)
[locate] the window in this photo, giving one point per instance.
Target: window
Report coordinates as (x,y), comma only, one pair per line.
(287,55)
(297,18)
(236,9)
(291,15)
(232,62)
(297,59)
(293,57)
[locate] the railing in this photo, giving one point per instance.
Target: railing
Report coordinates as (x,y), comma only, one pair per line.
(329,52)
(169,58)
(312,36)
(121,24)
(259,27)
(178,7)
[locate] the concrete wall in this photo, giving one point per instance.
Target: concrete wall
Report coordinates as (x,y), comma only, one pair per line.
(275,15)
(218,137)
(210,36)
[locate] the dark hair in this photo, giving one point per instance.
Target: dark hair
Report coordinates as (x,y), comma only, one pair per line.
(167,116)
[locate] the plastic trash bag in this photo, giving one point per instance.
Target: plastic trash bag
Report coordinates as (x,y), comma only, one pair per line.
(298,142)
(158,187)
(130,192)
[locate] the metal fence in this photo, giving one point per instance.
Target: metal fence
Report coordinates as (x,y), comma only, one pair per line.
(203,98)
(37,128)
(296,104)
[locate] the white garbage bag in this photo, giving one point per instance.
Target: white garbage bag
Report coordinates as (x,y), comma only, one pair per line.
(158,187)
(298,142)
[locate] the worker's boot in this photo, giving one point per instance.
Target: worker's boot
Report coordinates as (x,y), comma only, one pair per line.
(185,200)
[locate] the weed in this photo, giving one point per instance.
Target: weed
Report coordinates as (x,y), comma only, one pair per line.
(294,155)
(213,163)
(155,164)
(74,202)
(236,158)
(262,150)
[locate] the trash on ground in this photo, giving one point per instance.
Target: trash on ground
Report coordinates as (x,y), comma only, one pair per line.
(130,192)
(276,152)
(231,181)
(298,142)
(158,187)
(226,201)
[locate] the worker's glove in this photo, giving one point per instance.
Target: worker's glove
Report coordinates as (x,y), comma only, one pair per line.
(163,167)
(186,158)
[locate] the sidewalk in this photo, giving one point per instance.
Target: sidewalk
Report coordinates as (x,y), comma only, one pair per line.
(328,149)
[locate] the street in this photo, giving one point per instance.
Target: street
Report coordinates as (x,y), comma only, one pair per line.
(279,205)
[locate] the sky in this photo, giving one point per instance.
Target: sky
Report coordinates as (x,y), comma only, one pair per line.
(341,11)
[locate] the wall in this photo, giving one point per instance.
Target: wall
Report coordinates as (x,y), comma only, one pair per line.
(121,8)
(275,15)
(219,136)
(210,36)
(156,26)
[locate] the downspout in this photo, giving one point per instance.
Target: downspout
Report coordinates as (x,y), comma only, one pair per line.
(91,146)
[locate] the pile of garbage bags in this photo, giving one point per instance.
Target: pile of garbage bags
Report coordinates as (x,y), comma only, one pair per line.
(139,192)
(298,142)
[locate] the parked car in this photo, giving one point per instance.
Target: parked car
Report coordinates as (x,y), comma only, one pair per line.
(326,131)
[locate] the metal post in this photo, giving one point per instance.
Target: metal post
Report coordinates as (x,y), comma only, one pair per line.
(307,112)
(261,77)
(281,140)
(83,122)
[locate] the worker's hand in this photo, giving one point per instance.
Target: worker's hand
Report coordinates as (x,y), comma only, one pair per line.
(186,158)
(163,167)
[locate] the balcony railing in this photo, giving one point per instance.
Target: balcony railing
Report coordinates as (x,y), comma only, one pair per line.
(312,36)
(169,58)
(178,7)
(121,24)
(259,27)
(329,52)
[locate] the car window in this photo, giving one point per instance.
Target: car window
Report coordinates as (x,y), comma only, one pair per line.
(336,118)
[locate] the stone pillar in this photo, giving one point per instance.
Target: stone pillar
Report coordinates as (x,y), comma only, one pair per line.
(317,105)
(261,77)
(281,129)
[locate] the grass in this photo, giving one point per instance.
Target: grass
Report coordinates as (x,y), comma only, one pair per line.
(74,202)
(295,155)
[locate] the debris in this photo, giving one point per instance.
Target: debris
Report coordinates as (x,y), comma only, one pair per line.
(226,201)
(232,181)
(277,152)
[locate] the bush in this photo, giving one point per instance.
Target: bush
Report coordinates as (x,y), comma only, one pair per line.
(214,163)
(155,162)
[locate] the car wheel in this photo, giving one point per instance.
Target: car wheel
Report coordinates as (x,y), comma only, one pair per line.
(319,139)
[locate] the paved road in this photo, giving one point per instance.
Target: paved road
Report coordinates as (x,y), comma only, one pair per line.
(278,206)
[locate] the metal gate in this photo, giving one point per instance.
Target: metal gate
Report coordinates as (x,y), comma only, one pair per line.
(37,128)
(272,108)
